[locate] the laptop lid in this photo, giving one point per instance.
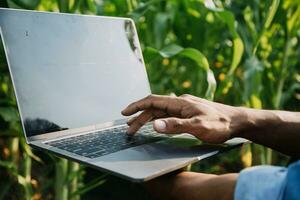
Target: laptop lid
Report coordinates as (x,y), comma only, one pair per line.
(71,71)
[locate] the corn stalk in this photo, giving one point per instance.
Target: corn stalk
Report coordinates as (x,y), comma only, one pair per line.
(74,170)
(25,177)
(61,178)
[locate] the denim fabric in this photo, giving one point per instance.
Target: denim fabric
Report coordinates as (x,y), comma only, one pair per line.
(292,189)
(268,182)
(261,183)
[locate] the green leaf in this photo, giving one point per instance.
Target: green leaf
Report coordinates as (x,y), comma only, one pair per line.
(192,54)
(170,51)
(268,20)
(238,45)
(75,6)
(238,51)
(29,152)
(212,85)
(91,6)
(253,80)
(255,102)
(23,181)
(63,6)
(89,186)
(11,166)
(142,9)
(293,22)
(287,95)
(196,56)
(150,54)
(9,114)
(271,13)
(30,5)
(202,62)
(160,29)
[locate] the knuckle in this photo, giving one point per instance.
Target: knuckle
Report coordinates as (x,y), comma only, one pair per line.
(223,119)
(177,124)
(140,123)
(197,120)
(185,95)
(149,104)
(170,98)
(150,96)
(205,128)
(185,100)
(182,100)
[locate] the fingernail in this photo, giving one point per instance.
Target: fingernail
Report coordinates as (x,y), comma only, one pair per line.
(160,125)
(129,134)
(129,122)
(130,131)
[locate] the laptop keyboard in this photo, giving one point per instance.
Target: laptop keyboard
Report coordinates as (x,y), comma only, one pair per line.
(96,144)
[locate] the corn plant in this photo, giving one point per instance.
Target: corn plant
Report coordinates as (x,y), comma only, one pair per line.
(235,52)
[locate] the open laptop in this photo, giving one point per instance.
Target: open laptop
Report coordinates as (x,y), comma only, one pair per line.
(72,76)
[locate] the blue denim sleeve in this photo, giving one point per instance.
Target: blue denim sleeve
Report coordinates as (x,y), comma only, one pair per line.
(260,183)
(268,182)
(292,189)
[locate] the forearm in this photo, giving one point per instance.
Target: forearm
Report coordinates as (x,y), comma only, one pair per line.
(193,186)
(279,130)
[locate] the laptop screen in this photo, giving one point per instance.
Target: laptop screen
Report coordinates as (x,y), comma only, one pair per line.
(71,71)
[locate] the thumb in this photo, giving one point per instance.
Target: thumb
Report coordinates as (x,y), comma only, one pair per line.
(172,125)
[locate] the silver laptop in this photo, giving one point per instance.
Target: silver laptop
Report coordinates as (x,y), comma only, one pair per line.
(72,76)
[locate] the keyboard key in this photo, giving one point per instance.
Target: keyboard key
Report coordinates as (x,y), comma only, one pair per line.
(96,144)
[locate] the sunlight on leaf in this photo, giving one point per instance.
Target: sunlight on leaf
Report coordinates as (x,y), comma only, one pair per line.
(171,50)
(246,155)
(196,56)
(255,102)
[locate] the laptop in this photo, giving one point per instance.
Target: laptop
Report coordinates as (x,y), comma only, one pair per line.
(72,76)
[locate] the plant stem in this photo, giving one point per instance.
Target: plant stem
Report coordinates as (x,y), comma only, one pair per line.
(61,187)
(63,6)
(269,156)
(73,186)
(131,5)
(13,146)
(282,75)
(27,175)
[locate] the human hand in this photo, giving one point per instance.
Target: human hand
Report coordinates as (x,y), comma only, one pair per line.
(193,186)
(208,121)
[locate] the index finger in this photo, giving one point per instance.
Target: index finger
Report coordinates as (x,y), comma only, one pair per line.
(165,103)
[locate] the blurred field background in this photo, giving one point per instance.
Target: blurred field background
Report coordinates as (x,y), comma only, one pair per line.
(243,53)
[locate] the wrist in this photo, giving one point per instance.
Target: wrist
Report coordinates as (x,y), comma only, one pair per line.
(249,121)
(240,121)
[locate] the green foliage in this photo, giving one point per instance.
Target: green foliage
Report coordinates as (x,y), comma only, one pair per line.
(235,52)
(195,55)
